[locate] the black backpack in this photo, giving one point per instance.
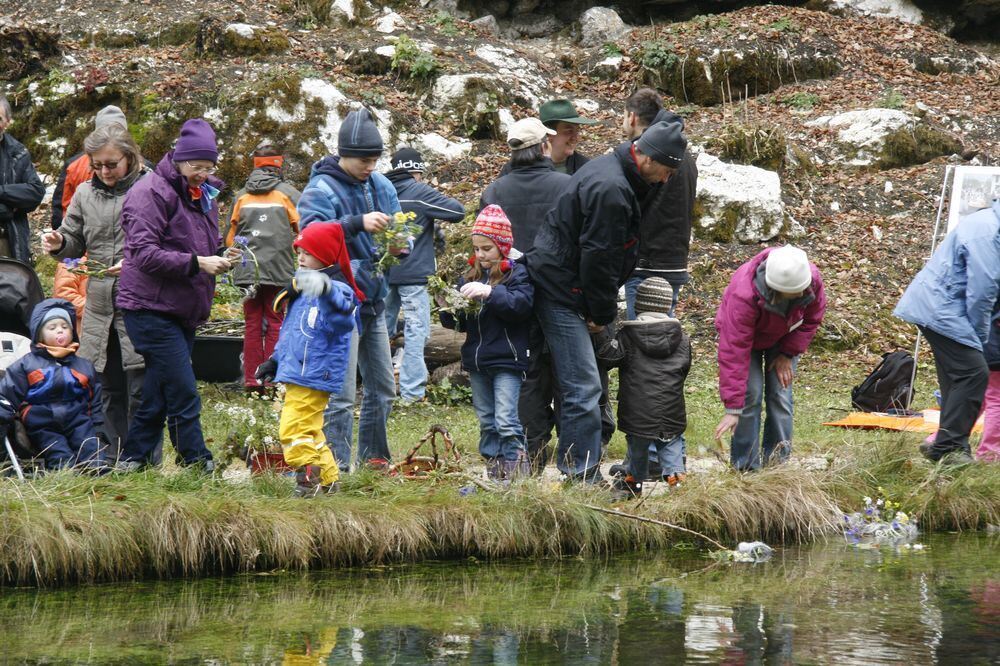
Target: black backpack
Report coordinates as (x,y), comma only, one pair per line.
(888,385)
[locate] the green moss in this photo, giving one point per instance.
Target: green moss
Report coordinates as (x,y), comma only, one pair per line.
(176,34)
(115,40)
(906,147)
(478,109)
(752,144)
(724,230)
(264,40)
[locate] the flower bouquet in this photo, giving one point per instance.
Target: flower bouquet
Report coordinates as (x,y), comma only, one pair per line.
(880,523)
(455,302)
(252,432)
(87,266)
(400,231)
(242,243)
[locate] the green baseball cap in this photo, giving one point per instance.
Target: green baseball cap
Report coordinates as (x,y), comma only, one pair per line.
(562,110)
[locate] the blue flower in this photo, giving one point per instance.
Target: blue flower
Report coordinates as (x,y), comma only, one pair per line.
(241,240)
(869,511)
(71,263)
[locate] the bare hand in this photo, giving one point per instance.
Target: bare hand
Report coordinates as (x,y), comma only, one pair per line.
(395,250)
(52,241)
(375,221)
(782,366)
(214,265)
(594,328)
(232,254)
(116,269)
(726,425)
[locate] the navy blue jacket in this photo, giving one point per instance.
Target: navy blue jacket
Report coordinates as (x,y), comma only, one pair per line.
(526,194)
(20,193)
(497,339)
(53,395)
(429,205)
(333,195)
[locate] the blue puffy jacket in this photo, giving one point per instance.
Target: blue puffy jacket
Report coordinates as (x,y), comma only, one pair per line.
(333,195)
(57,399)
(315,340)
(954,294)
(498,337)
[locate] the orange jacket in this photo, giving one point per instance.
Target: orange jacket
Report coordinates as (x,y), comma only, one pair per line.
(72,287)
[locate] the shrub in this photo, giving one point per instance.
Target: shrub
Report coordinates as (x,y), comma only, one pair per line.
(610,49)
(411,60)
(657,56)
(445,23)
(784,24)
(750,144)
(892,100)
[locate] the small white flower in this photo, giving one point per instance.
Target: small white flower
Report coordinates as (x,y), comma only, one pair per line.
(868,501)
(880,502)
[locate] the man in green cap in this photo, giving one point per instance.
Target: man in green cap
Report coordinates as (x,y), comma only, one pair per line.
(561,116)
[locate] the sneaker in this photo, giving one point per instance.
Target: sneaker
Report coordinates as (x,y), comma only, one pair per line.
(128,466)
(494,469)
(927,451)
(377,464)
(619,470)
(625,488)
(674,480)
(957,458)
(516,469)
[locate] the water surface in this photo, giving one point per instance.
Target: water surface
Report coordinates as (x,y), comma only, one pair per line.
(826,603)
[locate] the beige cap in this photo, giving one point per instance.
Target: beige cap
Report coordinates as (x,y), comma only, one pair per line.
(526,133)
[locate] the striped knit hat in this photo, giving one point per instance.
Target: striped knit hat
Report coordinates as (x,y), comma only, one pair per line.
(654,295)
(492,222)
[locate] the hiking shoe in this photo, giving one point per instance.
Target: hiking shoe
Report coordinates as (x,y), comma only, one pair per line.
(620,470)
(377,464)
(494,469)
(674,480)
(957,458)
(516,469)
(129,466)
(331,489)
(307,481)
(625,488)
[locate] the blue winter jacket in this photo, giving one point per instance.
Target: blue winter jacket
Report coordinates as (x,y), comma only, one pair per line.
(429,205)
(333,195)
(49,393)
(497,339)
(315,340)
(954,293)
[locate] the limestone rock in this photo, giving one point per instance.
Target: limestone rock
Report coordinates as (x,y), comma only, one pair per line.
(371,61)
(521,79)
(350,11)
(885,138)
(739,202)
(534,25)
(600,25)
(487,24)
(901,10)
(390,22)
(473,100)
(433,144)
(608,68)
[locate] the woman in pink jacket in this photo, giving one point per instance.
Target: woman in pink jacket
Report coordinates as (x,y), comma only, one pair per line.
(768,316)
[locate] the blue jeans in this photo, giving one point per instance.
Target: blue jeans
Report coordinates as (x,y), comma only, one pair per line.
(579,452)
(416,306)
(494,397)
(370,351)
(632,286)
(762,384)
(669,453)
(169,392)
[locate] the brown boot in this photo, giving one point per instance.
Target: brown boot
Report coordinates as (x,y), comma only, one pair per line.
(626,488)
(307,481)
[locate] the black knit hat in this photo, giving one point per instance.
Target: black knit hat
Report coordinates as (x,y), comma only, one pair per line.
(358,136)
(654,295)
(408,159)
(664,143)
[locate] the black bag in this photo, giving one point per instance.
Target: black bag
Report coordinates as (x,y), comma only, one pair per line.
(888,385)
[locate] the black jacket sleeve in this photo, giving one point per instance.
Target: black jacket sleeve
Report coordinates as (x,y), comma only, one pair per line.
(27,191)
(602,251)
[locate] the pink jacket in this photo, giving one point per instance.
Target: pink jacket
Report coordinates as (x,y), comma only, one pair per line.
(745,324)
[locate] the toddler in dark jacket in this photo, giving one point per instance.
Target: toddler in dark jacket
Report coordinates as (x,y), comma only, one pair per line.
(55,393)
(653,355)
(495,352)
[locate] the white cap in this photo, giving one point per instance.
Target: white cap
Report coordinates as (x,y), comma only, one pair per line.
(527,132)
(787,270)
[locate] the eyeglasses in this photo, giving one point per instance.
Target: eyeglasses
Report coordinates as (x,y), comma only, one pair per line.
(200,169)
(110,166)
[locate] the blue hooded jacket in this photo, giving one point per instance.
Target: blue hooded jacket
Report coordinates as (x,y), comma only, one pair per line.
(955,292)
(52,394)
(333,195)
(315,340)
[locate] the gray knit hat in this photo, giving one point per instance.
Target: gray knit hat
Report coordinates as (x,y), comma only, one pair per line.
(358,136)
(654,295)
(56,313)
(664,143)
(108,115)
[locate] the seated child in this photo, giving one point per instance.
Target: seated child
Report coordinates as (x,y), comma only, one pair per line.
(312,353)
(55,393)
(654,356)
(495,352)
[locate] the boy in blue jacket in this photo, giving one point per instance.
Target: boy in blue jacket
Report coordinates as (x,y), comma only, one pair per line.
(55,393)
(347,191)
(311,357)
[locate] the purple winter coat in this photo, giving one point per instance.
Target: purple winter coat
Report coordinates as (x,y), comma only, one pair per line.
(745,324)
(165,230)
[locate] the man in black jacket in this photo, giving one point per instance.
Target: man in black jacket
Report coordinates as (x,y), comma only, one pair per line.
(665,230)
(582,254)
(20,191)
(408,280)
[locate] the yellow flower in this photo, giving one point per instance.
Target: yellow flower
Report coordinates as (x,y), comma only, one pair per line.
(902,518)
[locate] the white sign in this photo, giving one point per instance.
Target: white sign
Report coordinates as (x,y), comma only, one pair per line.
(973,189)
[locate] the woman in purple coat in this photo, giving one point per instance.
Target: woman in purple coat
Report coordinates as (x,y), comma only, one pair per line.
(172,255)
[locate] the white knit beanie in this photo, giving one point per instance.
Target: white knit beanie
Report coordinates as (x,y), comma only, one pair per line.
(787,270)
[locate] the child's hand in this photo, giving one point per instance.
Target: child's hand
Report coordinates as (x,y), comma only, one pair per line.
(266,371)
(476,290)
(52,241)
(312,283)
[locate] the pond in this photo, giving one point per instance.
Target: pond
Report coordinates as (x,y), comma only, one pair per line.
(824,603)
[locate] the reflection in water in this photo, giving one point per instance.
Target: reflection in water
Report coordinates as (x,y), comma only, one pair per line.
(821,604)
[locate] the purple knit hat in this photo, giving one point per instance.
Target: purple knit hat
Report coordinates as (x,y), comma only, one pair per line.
(197,142)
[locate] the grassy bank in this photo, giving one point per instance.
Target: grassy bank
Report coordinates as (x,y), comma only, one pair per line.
(65,528)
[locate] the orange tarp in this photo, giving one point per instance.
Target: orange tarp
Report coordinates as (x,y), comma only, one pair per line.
(926,422)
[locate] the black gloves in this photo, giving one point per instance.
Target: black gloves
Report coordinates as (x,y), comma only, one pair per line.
(266,371)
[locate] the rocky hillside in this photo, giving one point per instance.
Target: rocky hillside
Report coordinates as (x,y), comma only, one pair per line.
(834,130)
